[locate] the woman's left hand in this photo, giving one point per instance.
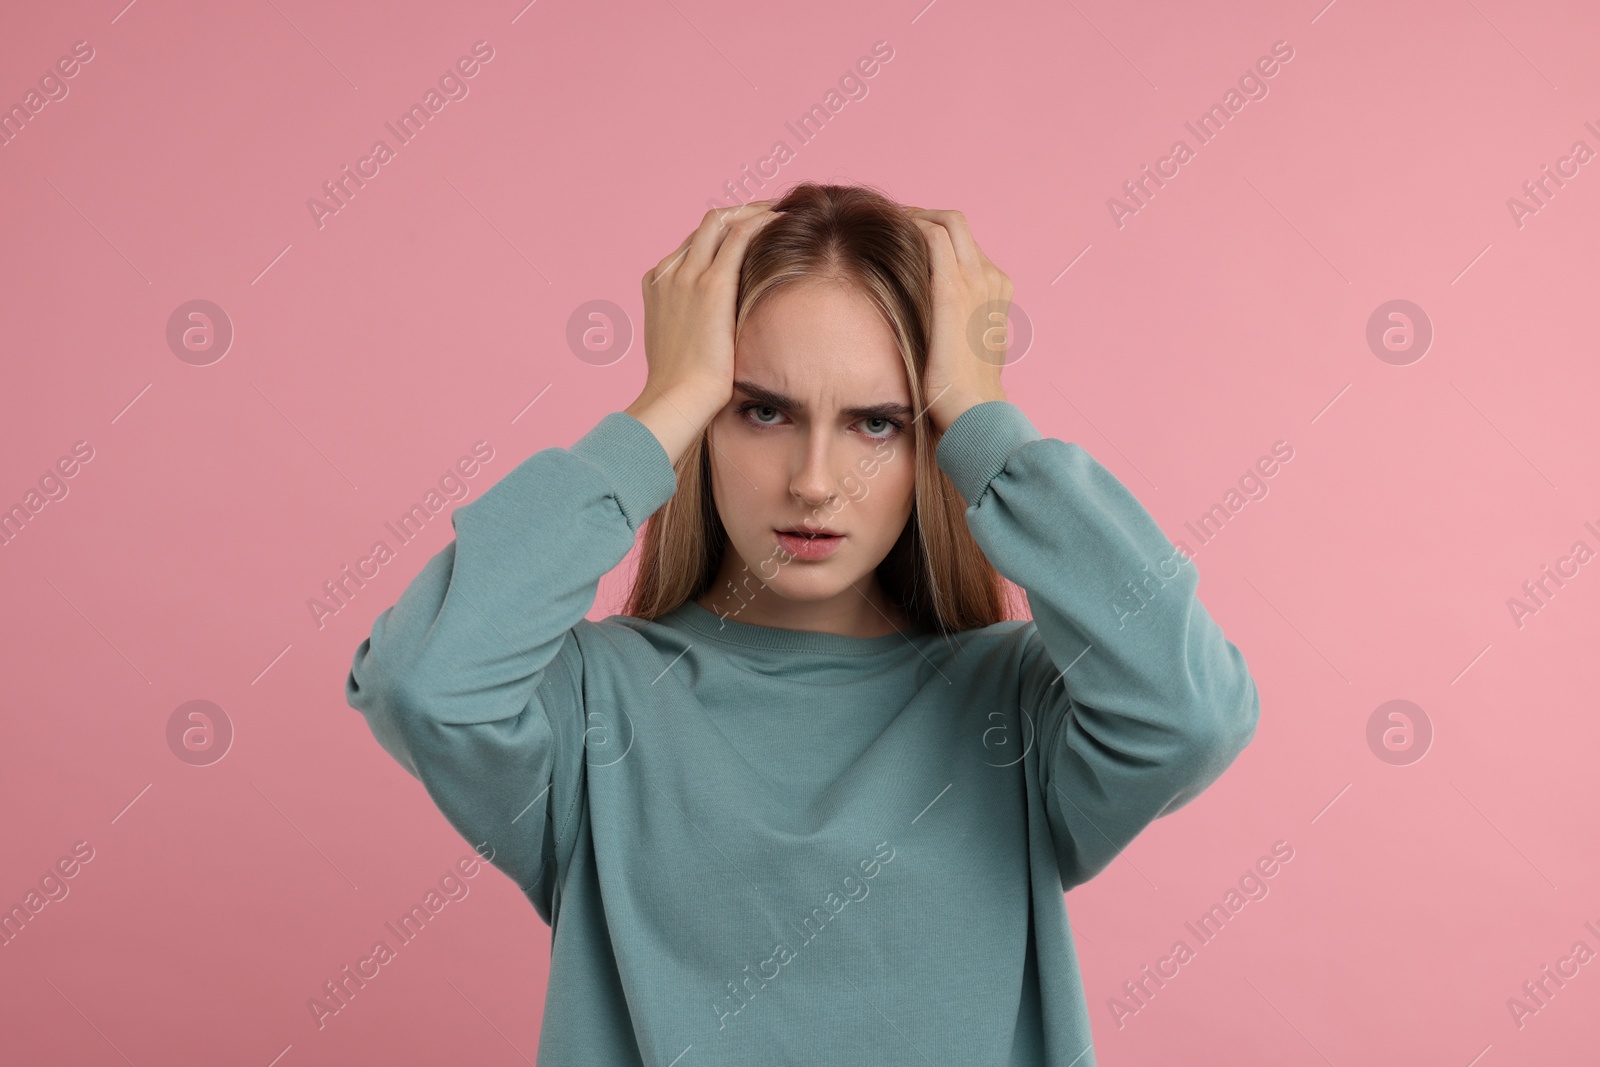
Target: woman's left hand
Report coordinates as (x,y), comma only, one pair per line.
(971,305)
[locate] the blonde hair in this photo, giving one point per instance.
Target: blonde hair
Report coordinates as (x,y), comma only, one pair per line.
(935,572)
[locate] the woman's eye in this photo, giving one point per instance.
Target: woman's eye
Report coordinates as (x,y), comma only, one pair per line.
(890,427)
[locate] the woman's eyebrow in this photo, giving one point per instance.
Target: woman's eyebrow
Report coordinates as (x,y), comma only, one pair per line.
(773,398)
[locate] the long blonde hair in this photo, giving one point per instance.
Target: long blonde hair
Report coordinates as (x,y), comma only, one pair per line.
(935,572)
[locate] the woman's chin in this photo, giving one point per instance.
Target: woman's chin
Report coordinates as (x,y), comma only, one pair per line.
(805,583)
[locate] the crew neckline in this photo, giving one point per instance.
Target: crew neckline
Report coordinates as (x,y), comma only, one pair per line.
(729,630)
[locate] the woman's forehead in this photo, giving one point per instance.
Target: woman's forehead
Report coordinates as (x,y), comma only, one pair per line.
(825,382)
(823,346)
(808,314)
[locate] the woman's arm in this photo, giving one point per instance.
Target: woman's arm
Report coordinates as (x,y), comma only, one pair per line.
(1155,702)
(1141,701)
(473,680)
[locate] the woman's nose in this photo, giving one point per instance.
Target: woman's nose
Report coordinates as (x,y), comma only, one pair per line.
(814,481)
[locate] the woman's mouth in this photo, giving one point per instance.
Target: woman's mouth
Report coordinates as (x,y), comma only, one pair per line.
(809,546)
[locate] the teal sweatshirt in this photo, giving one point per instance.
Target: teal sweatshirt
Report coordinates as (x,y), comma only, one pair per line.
(756,845)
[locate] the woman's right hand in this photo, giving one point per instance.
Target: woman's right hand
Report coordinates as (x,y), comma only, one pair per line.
(688,322)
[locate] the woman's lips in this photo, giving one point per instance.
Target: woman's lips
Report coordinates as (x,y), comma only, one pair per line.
(809,548)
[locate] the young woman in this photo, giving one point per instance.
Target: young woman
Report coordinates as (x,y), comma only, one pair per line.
(813,799)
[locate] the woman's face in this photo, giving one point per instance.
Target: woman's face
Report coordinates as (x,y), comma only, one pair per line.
(794,449)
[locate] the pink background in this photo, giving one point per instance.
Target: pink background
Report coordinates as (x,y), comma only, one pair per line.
(431,311)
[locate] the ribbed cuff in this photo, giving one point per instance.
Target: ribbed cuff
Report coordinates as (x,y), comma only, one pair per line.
(633,461)
(975,447)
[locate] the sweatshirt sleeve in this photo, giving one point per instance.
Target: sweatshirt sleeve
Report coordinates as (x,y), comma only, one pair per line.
(472,680)
(1140,701)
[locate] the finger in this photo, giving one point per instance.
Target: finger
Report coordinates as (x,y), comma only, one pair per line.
(968,254)
(941,250)
(669,261)
(730,254)
(675,257)
(712,231)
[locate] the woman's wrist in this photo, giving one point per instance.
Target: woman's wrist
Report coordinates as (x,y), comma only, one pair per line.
(950,406)
(676,417)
